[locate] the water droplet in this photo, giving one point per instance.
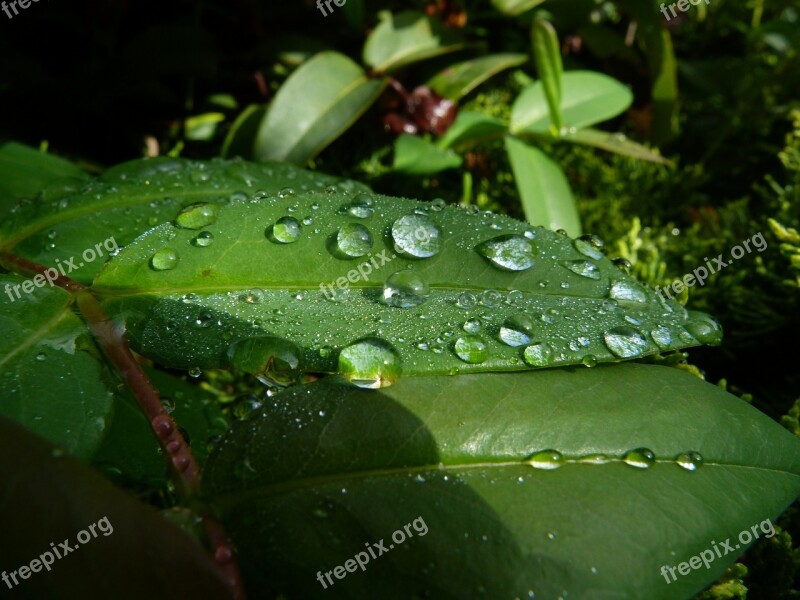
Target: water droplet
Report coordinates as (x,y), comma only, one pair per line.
(627,290)
(491,298)
(546,459)
(164,259)
(203,239)
(641,458)
(691,461)
(416,236)
(273,360)
(253,296)
(623,264)
(41,356)
(594,459)
(471,349)
(405,289)
(508,252)
(197,216)
(584,268)
(538,355)
(285,230)
(625,342)
(370,363)
(514,297)
(661,336)
(438,204)
(516,330)
(590,360)
(353,240)
(194,372)
(204,319)
(286,192)
(361,208)
(190,298)
(472,326)
(245,406)
(589,245)
(466,301)
(705,329)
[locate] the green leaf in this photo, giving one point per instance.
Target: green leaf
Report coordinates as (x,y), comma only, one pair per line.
(318,102)
(309,482)
(588,98)
(404,38)
(25,171)
(51,498)
(241,138)
(52,380)
(98,216)
(458,80)
(470,128)
(547,56)
(617,143)
(202,127)
(515,7)
(543,188)
(414,155)
(267,269)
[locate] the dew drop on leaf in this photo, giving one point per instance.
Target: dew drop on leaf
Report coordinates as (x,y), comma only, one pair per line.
(538,355)
(691,461)
(353,240)
(285,230)
(625,342)
(584,268)
(405,289)
(661,336)
(164,259)
(416,236)
(508,252)
(516,330)
(370,363)
(197,216)
(466,301)
(589,245)
(641,458)
(471,349)
(546,460)
(203,239)
(703,328)
(627,290)
(472,326)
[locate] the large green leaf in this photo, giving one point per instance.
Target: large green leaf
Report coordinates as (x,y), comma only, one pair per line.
(51,378)
(587,98)
(132,553)
(417,156)
(188,291)
(62,223)
(543,188)
(318,102)
(406,37)
(25,171)
(460,79)
(524,490)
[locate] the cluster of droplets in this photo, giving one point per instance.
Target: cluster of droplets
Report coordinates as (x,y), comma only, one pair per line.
(640,458)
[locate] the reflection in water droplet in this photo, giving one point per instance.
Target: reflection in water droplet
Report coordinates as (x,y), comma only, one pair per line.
(472,326)
(661,336)
(589,245)
(273,360)
(705,329)
(641,458)
(625,342)
(416,236)
(203,239)
(623,264)
(691,461)
(370,363)
(197,216)
(285,230)
(466,301)
(471,349)
(590,360)
(546,460)
(286,192)
(627,290)
(516,330)
(584,268)
(508,252)
(164,260)
(538,355)
(353,240)
(405,289)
